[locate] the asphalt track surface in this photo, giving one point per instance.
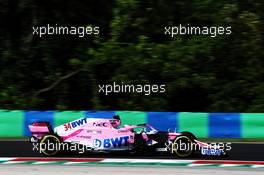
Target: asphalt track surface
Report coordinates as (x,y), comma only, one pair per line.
(240,151)
(121,170)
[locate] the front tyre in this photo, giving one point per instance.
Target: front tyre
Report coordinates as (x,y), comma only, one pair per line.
(50,145)
(189,134)
(182,146)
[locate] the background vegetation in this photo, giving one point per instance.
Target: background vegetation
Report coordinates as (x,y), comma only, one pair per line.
(201,73)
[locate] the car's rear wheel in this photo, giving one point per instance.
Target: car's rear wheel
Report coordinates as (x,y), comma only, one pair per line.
(50,145)
(182,146)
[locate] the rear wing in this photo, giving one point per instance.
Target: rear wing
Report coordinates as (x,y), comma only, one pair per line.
(39,129)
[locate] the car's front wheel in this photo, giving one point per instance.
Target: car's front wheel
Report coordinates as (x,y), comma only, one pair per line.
(182,146)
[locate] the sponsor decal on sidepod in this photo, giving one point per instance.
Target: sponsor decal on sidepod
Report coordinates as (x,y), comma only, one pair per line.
(74,124)
(112,142)
(211,152)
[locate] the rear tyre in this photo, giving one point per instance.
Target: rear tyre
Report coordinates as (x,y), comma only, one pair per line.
(183,146)
(50,145)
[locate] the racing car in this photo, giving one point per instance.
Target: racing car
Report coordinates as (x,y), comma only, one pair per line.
(106,135)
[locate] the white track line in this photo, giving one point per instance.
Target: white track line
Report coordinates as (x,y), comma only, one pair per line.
(6,158)
(230,165)
(195,165)
(42,162)
(14,162)
(257,166)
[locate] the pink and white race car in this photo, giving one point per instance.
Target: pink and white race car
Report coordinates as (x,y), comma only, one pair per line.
(104,135)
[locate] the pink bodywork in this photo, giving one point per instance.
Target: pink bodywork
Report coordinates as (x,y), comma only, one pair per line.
(87,131)
(96,133)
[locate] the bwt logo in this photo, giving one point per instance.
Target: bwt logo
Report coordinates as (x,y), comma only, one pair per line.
(74,124)
(113,142)
(97,143)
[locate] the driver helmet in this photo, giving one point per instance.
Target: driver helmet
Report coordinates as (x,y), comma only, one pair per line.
(116,122)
